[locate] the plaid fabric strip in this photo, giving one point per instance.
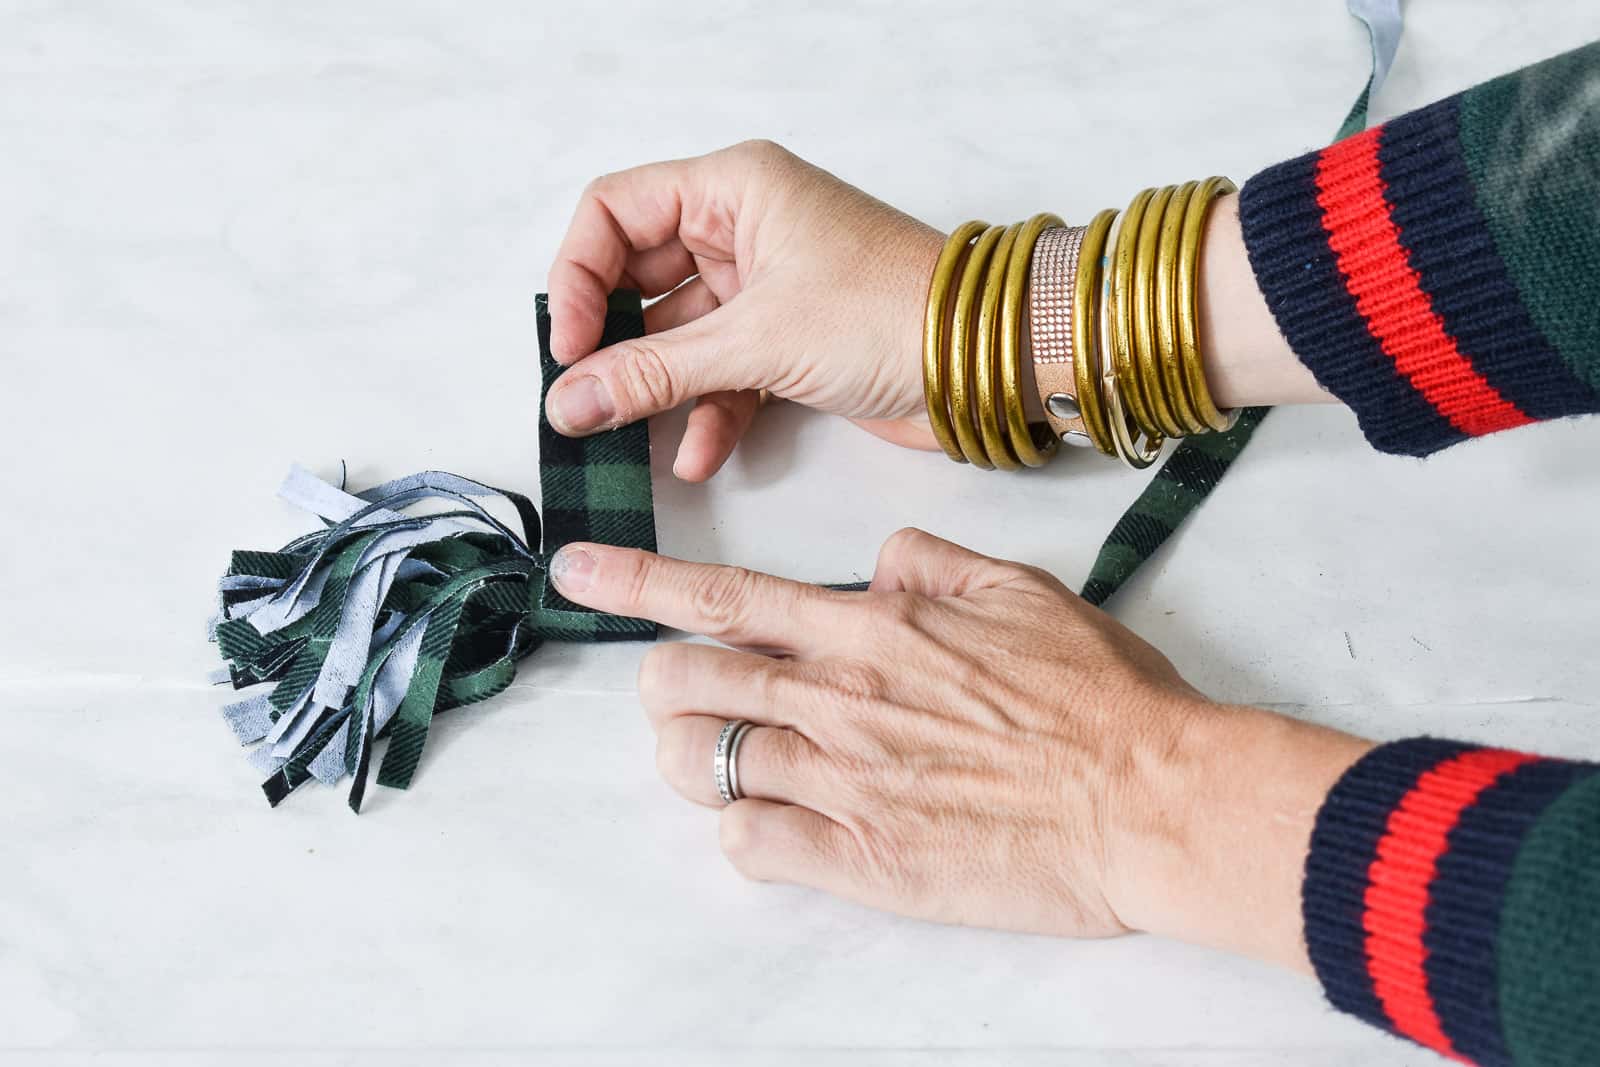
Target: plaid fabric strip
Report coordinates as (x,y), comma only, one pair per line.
(408,733)
(1181,484)
(593,488)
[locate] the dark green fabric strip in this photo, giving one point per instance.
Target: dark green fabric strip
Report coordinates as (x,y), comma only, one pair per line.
(408,733)
(593,488)
(1180,486)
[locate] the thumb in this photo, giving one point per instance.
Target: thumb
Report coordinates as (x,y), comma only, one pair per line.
(635,379)
(912,561)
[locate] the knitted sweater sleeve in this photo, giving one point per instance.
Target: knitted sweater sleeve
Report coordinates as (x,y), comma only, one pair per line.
(1452,896)
(1440,273)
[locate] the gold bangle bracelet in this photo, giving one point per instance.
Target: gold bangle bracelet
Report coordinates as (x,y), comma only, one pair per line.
(1086,354)
(1032,447)
(962,327)
(1111,309)
(1119,316)
(1146,357)
(1194,222)
(1166,311)
(986,357)
(1122,428)
(1125,430)
(936,332)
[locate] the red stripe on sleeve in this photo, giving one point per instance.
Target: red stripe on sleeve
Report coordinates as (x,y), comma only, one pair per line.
(1389,294)
(1416,835)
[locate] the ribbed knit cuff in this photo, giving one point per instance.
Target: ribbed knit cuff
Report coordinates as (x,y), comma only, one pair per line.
(1378,264)
(1414,856)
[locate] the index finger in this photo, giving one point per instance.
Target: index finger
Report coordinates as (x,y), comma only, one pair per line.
(734,605)
(618,216)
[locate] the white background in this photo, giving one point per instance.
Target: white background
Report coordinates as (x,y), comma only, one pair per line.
(238,234)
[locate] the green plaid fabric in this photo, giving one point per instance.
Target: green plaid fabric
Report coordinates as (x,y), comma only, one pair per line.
(470,604)
(1180,485)
(594,488)
(439,608)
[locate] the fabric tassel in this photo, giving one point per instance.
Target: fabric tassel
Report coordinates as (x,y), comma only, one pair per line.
(370,626)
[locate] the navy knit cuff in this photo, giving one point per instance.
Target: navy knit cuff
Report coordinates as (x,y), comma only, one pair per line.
(1380,270)
(1406,882)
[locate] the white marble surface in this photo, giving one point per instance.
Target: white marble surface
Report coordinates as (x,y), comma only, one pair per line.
(237,234)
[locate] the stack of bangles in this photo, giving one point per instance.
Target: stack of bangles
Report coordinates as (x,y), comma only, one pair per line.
(1111,325)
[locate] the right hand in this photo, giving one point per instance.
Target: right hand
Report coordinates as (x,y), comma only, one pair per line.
(969,741)
(779,276)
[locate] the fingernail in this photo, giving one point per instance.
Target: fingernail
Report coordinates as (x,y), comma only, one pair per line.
(560,348)
(572,569)
(581,405)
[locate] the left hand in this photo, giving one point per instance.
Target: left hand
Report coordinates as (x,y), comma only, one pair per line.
(773,274)
(967,741)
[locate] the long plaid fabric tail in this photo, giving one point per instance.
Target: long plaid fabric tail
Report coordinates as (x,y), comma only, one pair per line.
(1181,484)
(1194,468)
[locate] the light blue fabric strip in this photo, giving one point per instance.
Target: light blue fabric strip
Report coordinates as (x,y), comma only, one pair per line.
(388,690)
(305,490)
(230,582)
(435,481)
(376,571)
(391,627)
(412,569)
(250,719)
(264,762)
(327,766)
(305,722)
(352,640)
(286,605)
(394,677)
(309,493)
(1384,25)
(301,708)
(245,608)
(413,487)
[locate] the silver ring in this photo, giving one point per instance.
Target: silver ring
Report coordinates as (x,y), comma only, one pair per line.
(733,760)
(725,763)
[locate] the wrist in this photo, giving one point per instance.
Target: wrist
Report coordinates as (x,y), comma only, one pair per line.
(1247,360)
(1212,829)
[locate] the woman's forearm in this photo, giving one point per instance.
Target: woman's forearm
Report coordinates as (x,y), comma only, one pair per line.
(1214,849)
